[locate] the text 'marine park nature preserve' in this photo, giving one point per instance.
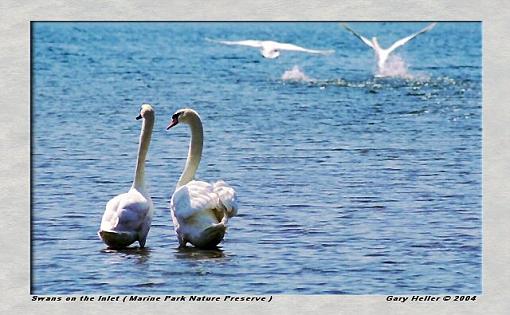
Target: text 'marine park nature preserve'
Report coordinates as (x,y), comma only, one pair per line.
(260,158)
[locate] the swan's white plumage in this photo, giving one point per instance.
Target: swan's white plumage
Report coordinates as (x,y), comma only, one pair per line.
(200,210)
(194,198)
(382,54)
(227,196)
(271,49)
(404,40)
(127,217)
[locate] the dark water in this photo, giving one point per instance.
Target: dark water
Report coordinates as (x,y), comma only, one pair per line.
(348,184)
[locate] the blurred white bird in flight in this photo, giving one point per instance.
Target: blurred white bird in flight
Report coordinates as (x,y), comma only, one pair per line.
(382,54)
(271,49)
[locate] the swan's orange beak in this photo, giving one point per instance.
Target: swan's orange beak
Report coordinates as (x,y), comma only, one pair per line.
(172,123)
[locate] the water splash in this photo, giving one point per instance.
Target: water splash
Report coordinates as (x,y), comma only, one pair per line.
(295,74)
(395,67)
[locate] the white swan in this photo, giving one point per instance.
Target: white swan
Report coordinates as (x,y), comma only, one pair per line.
(200,210)
(270,49)
(382,54)
(128,216)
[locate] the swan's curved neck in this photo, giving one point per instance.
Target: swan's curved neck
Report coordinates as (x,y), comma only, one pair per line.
(143,147)
(195,150)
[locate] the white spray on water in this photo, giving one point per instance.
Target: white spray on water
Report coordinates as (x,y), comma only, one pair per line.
(396,67)
(295,74)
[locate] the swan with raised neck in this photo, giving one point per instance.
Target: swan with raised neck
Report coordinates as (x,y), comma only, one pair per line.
(127,217)
(190,117)
(147,113)
(199,210)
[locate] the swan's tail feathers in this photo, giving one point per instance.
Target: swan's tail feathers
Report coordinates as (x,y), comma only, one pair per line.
(211,236)
(117,240)
(227,198)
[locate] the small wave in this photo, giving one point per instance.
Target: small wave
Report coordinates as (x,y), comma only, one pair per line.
(295,74)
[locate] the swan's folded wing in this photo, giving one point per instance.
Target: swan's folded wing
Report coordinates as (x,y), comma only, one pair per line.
(125,213)
(193,198)
(227,196)
(133,215)
(109,220)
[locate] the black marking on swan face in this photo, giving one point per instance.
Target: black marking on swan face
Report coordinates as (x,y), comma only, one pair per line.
(176,115)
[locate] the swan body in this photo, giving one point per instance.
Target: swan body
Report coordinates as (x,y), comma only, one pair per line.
(127,217)
(199,210)
(382,54)
(271,49)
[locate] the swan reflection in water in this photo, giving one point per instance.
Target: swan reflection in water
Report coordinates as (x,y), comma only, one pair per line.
(142,254)
(194,253)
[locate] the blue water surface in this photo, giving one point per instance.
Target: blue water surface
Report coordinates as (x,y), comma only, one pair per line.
(348,183)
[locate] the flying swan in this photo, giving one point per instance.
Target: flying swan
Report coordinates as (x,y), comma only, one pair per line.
(128,216)
(382,54)
(199,210)
(270,49)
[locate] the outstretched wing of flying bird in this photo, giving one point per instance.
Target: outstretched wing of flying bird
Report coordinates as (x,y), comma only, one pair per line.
(363,39)
(292,47)
(404,40)
(249,43)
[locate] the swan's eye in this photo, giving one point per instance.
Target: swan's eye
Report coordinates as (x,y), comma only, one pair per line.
(176,115)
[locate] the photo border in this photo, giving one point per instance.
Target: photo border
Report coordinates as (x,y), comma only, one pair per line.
(15,142)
